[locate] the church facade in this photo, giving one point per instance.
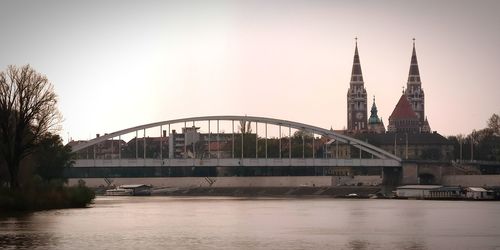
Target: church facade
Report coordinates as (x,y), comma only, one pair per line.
(408,115)
(408,133)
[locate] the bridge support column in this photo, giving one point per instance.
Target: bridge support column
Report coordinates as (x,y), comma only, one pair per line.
(410,173)
(171,143)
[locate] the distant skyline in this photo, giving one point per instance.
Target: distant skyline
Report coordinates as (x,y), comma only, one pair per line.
(118,64)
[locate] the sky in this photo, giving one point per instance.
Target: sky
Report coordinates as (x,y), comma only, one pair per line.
(118,64)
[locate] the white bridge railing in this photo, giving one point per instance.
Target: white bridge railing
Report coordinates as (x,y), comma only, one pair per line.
(233,162)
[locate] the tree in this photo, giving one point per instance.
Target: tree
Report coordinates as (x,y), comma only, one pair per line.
(245,128)
(52,157)
(494,124)
(482,144)
(28,111)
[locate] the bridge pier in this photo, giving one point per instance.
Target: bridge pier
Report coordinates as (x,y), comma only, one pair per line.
(425,172)
(391,176)
(409,173)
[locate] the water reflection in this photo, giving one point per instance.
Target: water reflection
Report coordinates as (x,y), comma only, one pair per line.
(235,223)
(24,231)
(358,245)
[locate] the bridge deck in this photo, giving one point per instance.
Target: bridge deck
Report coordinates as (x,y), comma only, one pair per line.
(232,162)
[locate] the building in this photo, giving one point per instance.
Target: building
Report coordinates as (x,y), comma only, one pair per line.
(416,191)
(412,146)
(442,192)
(479,193)
(408,134)
(409,114)
(146,147)
(403,118)
(193,144)
(356,98)
(429,192)
(109,149)
(375,124)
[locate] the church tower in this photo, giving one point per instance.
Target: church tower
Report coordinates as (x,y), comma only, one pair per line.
(356,98)
(375,124)
(414,91)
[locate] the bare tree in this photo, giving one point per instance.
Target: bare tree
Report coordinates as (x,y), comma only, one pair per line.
(27,112)
(245,128)
(494,124)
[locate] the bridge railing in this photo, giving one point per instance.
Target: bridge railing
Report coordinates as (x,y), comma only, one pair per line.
(270,162)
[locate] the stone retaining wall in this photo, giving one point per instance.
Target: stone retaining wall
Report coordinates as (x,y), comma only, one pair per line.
(265,181)
(471,180)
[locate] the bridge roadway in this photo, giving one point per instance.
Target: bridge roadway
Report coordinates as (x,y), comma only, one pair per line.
(234,162)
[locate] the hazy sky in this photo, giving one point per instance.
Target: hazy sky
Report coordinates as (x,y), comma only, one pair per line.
(117,64)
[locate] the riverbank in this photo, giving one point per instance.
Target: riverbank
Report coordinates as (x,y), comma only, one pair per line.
(334,192)
(44,198)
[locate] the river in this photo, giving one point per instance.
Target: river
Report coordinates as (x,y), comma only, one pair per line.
(257,223)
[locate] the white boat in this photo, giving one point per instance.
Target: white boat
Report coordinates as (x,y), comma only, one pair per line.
(119,192)
(130,190)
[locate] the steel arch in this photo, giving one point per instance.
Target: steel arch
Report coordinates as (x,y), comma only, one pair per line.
(382,154)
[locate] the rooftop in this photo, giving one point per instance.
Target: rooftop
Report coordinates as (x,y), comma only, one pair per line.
(424,187)
(403,110)
(400,138)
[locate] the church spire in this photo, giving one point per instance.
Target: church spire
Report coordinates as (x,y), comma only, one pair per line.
(356,97)
(414,91)
(414,72)
(356,74)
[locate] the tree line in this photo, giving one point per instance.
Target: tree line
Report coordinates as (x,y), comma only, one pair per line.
(483,144)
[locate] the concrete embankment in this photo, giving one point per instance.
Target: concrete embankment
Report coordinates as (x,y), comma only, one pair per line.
(216,182)
(471,180)
(361,192)
(327,186)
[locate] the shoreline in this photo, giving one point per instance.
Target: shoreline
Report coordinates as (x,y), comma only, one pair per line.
(332,192)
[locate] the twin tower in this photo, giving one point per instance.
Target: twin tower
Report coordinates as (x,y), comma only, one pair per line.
(408,115)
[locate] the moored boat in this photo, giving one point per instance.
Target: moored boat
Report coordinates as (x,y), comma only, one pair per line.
(119,192)
(138,189)
(130,190)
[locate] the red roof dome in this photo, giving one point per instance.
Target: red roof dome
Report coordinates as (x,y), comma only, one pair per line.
(403,110)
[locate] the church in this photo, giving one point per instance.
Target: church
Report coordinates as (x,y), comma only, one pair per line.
(408,134)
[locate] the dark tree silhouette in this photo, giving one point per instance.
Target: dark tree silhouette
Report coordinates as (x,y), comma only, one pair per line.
(52,157)
(28,111)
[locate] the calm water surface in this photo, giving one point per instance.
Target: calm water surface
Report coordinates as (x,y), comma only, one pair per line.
(233,223)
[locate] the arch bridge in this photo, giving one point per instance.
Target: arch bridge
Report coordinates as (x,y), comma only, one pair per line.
(308,146)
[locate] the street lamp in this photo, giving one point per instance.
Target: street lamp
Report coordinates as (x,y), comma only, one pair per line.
(471,148)
(461,142)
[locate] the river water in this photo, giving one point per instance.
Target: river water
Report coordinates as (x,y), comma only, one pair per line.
(241,223)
